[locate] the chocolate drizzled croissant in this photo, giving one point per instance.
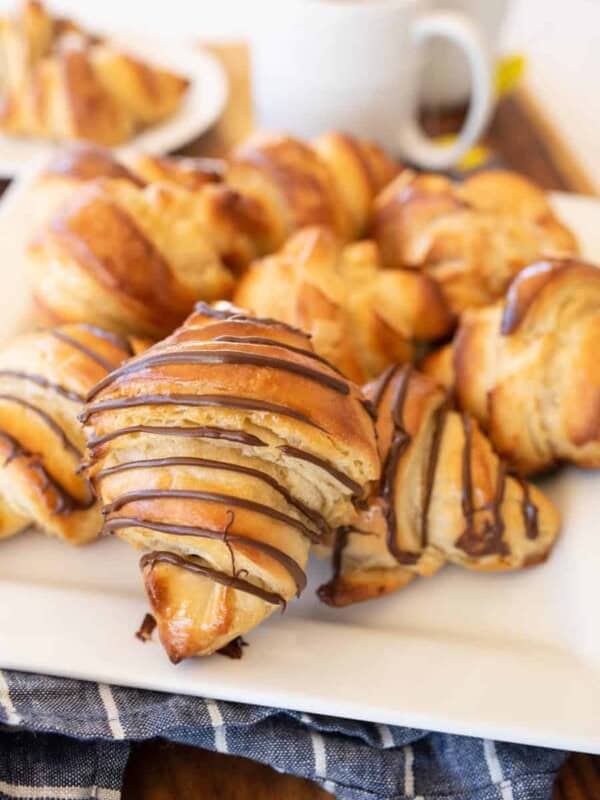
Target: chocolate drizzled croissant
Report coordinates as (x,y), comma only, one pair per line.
(361,317)
(527,367)
(444,496)
(224,451)
(472,237)
(44,378)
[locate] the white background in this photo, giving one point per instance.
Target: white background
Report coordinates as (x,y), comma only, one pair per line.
(560,37)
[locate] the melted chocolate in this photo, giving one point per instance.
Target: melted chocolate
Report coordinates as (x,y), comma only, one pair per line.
(263,340)
(344,479)
(122,342)
(530,510)
(77,345)
(43,382)
(310,513)
(200,400)
(489,540)
(381,384)
(164,557)
(199,432)
(47,419)
(327,593)
(237,315)
(234,648)
(286,562)
(399,445)
(146,629)
(210,497)
(210,357)
(439,423)
(66,502)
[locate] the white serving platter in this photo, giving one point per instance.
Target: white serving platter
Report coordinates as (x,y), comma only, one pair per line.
(201,107)
(513,657)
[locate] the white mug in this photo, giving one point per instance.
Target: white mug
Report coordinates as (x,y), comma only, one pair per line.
(354,65)
(445,78)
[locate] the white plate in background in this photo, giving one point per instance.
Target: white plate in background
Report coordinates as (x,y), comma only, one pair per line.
(507,656)
(201,106)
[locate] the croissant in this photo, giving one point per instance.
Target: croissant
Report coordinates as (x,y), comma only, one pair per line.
(44,377)
(473,237)
(444,496)
(332,182)
(60,82)
(224,451)
(527,367)
(361,318)
(130,259)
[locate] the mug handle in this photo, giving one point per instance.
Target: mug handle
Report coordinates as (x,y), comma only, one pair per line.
(458,28)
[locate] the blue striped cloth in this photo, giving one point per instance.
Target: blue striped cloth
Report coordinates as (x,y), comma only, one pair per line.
(62,739)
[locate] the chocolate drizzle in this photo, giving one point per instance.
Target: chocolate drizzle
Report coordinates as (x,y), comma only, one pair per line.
(295,571)
(77,345)
(233,649)
(122,342)
(439,423)
(311,514)
(326,466)
(529,509)
(210,497)
(488,541)
(214,357)
(380,385)
(46,418)
(266,342)
(196,400)
(232,581)
(234,314)
(327,593)
(43,382)
(197,432)
(66,502)
(288,563)
(400,442)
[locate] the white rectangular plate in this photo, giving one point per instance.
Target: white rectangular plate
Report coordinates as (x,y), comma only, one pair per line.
(514,657)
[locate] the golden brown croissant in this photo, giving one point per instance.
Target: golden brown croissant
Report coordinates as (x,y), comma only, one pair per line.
(361,317)
(444,496)
(130,259)
(224,451)
(44,378)
(527,367)
(332,182)
(473,237)
(62,83)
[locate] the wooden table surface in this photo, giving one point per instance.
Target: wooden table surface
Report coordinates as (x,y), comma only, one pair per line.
(524,141)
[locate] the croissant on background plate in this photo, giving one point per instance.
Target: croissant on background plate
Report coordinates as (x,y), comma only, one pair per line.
(60,82)
(44,379)
(149,236)
(361,318)
(527,367)
(224,451)
(472,237)
(445,496)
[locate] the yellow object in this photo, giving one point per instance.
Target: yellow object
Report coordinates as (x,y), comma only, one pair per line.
(475,157)
(509,71)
